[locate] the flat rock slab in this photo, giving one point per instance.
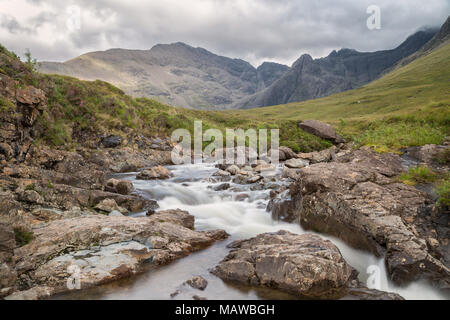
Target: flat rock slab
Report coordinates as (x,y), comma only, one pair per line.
(101,249)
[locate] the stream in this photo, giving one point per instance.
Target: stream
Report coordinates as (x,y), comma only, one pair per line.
(191,189)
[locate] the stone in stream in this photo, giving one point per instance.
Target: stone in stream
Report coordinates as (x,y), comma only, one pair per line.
(358,200)
(158,172)
(233,169)
(197,283)
(296,163)
(222,187)
(221,173)
(104,249)
(241,197)
(286,153)
(303,265)
(124,187)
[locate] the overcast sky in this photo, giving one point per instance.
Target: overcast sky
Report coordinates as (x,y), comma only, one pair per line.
(253,30)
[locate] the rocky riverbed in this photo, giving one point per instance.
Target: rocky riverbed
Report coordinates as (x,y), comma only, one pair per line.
(92,216)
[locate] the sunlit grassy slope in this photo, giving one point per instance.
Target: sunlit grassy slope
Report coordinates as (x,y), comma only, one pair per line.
(408,107)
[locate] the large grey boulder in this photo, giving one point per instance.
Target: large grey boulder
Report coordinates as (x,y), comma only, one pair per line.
(304,265)
(322,130)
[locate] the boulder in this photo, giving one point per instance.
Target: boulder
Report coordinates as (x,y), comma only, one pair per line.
(286,153)
(111,185)
(431,155)
(233,169)
(322,130)
(197,283)
(129,202)
(222,187)
(102,249)
(124,187)
(6,150)
(111,141)
(303,265)
(221,173)
(32,196)
(288,173)
(158,172)
(296,163)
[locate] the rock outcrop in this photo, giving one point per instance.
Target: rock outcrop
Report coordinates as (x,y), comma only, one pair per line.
(357,199)
(96,249)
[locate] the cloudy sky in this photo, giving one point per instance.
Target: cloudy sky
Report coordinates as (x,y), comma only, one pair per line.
(254,30)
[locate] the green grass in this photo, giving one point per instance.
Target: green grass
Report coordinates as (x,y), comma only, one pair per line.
(443,190)
(419,175)
(22,236)
(407,107)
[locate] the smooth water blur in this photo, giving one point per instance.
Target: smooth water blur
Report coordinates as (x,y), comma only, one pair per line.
(191,190)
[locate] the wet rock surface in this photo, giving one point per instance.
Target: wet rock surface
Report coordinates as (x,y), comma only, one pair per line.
(357,199)
(102,249)
(304,265)
(197,282)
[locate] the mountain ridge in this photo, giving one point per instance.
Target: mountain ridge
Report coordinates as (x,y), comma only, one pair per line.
(340,71)
(176,73)
(181,75)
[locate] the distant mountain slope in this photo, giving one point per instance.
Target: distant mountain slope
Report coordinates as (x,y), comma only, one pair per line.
(340,71)
(441,38)
(177,74)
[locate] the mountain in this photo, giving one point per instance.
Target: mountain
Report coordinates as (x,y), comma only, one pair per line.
(342,70)
(177,74)
(441,38)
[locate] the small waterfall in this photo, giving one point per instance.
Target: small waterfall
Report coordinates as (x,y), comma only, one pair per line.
(190,189)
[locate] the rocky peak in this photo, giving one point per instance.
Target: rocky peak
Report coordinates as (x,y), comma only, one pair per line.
(304,59)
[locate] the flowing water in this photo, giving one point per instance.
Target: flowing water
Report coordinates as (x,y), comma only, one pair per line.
(191,189)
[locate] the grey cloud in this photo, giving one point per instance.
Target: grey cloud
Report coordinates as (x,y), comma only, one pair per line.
(11,24)
(254,30)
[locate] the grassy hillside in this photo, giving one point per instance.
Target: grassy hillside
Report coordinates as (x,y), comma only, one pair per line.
(409,106)
(79,110)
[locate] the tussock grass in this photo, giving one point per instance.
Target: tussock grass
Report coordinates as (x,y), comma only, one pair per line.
(418,175)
